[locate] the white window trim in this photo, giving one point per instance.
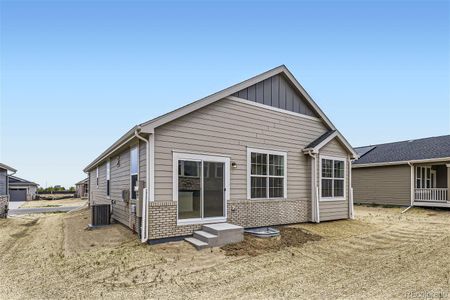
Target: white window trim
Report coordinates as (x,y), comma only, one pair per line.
(96,178)
(249,171)
(137,172)
(200,157)
(108,178)
(419,177)
(344,159)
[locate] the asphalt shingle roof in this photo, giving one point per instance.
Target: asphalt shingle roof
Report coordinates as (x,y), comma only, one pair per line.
(426,148)
(320,139)
(20,181)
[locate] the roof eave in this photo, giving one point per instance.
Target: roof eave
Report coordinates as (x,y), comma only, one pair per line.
(335,134)
(111,148)
(402,162)
(6,167)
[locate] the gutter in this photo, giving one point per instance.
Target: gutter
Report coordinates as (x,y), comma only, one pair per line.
(144,221)
(118,144)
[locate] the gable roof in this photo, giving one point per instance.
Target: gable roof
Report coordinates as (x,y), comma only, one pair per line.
(406,151)
(325,138)
(84,181)
(149,126)
(20,181)
(3,166)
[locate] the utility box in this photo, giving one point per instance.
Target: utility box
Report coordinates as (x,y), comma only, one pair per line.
(101,215)
(126,196)
(140,194)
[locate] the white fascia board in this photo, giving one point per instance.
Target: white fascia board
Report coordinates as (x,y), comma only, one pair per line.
(335,134)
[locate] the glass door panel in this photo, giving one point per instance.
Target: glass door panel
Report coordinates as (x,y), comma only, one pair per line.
(213,189)
(189,189)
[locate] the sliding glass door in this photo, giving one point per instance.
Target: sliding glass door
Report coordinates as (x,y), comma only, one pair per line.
(201,187)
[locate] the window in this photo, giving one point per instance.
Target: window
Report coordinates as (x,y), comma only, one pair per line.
(267,174)
(97,177)
(108,174)
(134,169)
(332,178)
(423,178)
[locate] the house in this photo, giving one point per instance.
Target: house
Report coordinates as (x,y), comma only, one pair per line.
(21,189)
(82,188)
(4,189)
(258,153)
(406,173)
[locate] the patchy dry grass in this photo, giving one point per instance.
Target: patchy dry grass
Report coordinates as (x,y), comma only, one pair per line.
(381,254)
(253,246)
(54,203)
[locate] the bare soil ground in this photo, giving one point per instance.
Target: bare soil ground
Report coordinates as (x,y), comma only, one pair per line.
(54,203)
(380,255)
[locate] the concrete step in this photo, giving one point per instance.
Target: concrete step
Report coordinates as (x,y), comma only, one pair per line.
(199,245)
(226,233)
(209,238)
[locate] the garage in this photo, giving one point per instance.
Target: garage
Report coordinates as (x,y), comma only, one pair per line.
(17,194)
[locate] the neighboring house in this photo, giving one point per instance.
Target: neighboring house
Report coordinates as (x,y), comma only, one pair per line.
(4,191)
(82,188)
(414,172)
(21,189)
(258,153)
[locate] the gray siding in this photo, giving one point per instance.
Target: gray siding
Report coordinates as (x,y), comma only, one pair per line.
(335,210)
(227,128)
(276,91)
(119,181)
(3,183)
(99,192)
(382,185)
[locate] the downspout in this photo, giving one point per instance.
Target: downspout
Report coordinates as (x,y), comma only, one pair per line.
(412,188)
(144,221)
(314,190)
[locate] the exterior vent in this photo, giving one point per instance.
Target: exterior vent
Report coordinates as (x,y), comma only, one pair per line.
(100,215)
(126,195)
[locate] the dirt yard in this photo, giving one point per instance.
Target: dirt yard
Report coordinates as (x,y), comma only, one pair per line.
(54,203)
(381,254)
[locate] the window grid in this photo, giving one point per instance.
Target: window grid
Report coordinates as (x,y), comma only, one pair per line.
(332,178)
(267,175)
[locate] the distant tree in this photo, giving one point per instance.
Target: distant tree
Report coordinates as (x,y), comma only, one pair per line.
(72,189)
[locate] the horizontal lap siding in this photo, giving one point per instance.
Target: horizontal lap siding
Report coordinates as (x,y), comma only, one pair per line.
(335,210)
(389,185)
(119,181)
(227,128)
(98,193)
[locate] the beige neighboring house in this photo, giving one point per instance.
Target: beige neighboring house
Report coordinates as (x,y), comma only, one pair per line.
(407,173)
(82,188)
(258,153)
(21,189)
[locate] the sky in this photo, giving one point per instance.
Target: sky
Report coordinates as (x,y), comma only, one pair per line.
(76,75)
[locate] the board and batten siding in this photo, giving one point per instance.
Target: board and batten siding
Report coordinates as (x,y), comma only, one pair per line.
(3,183)
(386,185)
(119,181)
(335,209)
(276,91)
(227,128)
